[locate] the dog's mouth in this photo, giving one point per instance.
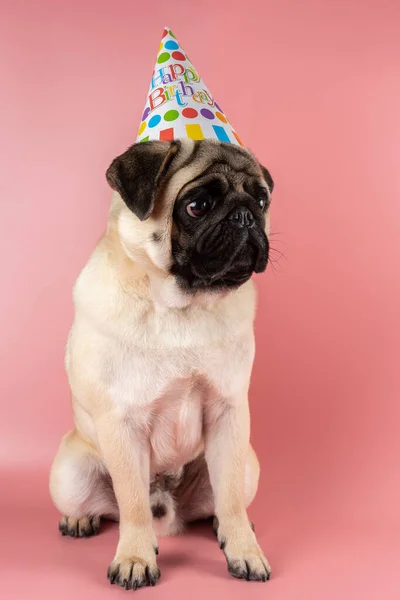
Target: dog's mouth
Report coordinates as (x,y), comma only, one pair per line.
(193,283)
(224,258)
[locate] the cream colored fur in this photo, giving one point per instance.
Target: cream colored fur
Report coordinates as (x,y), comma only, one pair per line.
(157,377)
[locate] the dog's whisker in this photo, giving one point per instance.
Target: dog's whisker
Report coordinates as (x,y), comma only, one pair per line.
(278,252)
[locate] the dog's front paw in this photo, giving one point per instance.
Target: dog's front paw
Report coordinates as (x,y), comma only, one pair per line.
(133,573)
(243,554)
(251,565)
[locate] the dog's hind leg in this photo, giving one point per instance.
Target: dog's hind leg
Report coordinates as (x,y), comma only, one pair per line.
(81,488)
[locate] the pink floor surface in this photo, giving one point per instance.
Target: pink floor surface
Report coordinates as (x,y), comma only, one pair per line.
(312,557)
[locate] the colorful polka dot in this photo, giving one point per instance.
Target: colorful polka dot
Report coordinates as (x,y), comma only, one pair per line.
(154,121)
(165,32)
(218,107)
(146,113)
(161,47)
(190,113)
(145,139)
(167,135)
(221,133)
(178,56)
(207,113)
(164,56)
(220,116)
(142,128)
(171,115)
(194,132)
(171,34)
(238,138)
(171,45)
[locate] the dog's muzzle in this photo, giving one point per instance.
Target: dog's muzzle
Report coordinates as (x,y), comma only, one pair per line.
(229,254)
(242,217)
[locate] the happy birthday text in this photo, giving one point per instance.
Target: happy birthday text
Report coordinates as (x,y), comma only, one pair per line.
(173,83)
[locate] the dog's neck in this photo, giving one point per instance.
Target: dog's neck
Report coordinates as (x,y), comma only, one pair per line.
(166,294)
(150,283)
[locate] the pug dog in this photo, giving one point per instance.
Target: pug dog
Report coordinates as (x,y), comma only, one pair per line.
(160,355)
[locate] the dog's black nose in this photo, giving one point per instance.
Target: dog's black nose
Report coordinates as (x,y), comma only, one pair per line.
(242,216)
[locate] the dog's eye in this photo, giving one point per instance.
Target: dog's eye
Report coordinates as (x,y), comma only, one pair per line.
(263,203)
(198,208)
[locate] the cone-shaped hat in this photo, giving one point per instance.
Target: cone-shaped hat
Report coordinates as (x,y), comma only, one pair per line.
(179,105)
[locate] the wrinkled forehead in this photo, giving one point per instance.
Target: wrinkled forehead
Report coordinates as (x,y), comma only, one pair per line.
(233,167)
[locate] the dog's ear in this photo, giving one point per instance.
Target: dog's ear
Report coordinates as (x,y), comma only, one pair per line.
(268,178)
(138,174)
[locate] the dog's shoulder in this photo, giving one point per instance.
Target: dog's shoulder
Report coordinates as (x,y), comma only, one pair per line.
(107,286)
(116,299)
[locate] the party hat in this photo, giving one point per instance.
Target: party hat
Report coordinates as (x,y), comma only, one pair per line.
(178,104)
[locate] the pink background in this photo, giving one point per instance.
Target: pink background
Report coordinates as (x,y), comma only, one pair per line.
(313,88)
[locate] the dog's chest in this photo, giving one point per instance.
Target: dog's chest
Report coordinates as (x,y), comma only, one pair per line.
(164,378)
(176,425)
(160,354)
(161,392)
